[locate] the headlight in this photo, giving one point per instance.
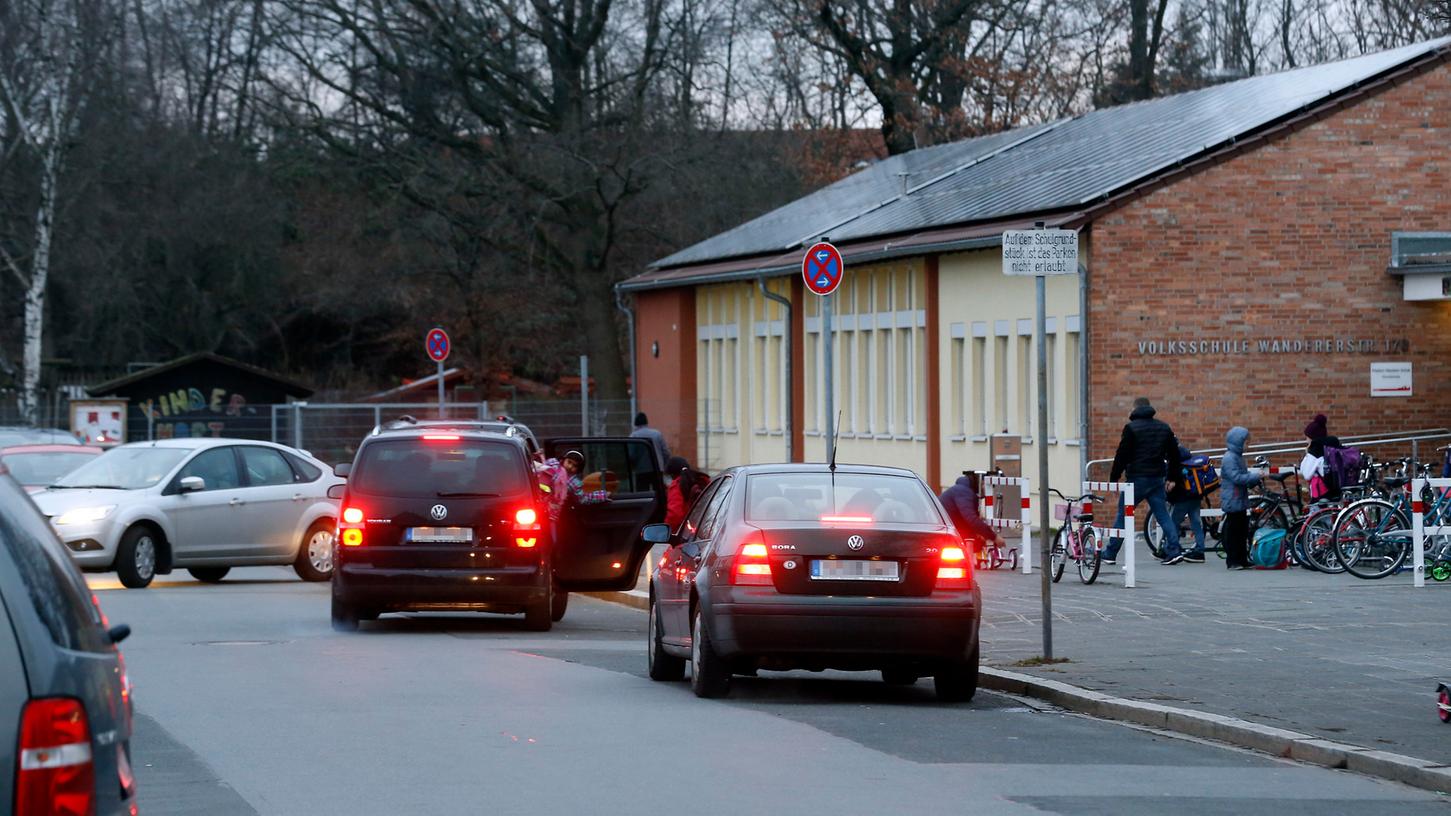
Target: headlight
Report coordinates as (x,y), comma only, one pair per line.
(84,515)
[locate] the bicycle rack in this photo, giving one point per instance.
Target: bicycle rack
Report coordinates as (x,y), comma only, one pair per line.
(1125,492)
(1022,524)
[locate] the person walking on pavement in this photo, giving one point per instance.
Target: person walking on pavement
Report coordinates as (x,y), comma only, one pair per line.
(1184,504)
(1144,453)
(960,502)
(1236,480)
(686,484)
(644,431)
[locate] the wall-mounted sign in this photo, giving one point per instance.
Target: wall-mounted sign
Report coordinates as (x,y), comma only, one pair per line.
(1390,379)
(1040,252)
(1276,345)
(99,422)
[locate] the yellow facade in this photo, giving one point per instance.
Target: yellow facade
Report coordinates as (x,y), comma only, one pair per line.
(987,374)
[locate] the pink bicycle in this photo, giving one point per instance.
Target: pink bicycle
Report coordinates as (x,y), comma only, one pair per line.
(1076,541)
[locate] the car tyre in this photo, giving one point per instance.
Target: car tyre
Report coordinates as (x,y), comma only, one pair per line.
(710,676)
(899,677)
(136,557)
(539,616)
(663,665)
(315,556)
(560,604)
(957,683)
(209,575)
(344,615)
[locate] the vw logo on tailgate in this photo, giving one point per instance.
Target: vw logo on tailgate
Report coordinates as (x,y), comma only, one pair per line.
(439,512)
(856,542)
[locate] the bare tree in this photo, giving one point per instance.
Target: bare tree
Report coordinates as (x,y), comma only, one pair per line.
(42,89)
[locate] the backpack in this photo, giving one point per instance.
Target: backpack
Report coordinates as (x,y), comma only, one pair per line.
(1342,467)
(1200,477)
(1268,550)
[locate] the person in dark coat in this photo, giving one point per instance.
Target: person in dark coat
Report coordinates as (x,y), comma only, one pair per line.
(1144,452)
(960,502)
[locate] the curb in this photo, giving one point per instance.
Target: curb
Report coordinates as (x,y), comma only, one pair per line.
(1267,739)
(1278,742)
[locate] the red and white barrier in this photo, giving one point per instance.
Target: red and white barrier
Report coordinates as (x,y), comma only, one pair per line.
(1420,529)
(1125,491)
(1023,523)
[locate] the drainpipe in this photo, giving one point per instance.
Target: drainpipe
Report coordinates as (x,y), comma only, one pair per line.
(786,351)
(630,333)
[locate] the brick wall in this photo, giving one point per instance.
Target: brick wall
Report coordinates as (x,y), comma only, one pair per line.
(1289,241)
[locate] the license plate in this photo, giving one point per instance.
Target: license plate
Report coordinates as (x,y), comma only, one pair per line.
(440,534)
(853,570)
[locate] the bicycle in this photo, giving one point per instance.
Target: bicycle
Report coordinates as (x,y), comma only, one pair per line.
(1080,544)
(1213,541)
(1373,536)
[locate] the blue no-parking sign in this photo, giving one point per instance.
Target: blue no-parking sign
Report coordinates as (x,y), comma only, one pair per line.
(822,268)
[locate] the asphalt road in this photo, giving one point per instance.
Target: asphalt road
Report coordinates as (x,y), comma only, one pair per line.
(248,703)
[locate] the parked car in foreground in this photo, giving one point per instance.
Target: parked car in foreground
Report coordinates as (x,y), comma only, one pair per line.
(65,700)
(781,567)
(26,435)
(205,505)
(36,466)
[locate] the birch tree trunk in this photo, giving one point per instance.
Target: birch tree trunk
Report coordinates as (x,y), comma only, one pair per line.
(39,274)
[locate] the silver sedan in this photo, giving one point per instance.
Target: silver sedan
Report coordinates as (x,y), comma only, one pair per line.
(205,505)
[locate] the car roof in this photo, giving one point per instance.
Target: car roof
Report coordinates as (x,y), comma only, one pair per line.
(194,443)
(821,467)
(411,432)
(48,448)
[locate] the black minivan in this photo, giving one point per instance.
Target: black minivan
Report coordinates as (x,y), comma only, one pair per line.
(65,709)
(441,520)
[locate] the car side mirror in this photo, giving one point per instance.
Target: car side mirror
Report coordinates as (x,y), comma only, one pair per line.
(192,484)
(656,533)
(341,471)
(118,633)
(336,491)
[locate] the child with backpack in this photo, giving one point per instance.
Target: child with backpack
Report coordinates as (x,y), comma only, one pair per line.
(1200,479)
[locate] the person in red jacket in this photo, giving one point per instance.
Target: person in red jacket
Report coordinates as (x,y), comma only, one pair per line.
(685,485)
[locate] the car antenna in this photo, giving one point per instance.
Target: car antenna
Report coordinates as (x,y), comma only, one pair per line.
(835,431)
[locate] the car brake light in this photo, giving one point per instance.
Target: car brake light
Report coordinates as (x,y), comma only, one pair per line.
(440,437)
(753,567)
(526,517)
(953,572)
(353,515)
(846,519)
(56,775)
(526,521)
(352,537)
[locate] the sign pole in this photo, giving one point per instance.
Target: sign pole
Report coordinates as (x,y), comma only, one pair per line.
(1041,443)
(440,390)
(584,395)
(830,396)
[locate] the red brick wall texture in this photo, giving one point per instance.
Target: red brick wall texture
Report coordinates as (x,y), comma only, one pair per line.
(1286,242)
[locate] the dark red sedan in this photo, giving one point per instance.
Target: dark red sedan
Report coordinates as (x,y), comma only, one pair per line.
(782,567)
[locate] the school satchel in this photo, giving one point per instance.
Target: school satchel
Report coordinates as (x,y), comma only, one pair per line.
(1268,550)
(1200,477)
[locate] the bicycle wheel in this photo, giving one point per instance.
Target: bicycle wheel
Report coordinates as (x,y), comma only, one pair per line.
(1090,557)
(1058,556)
(1154,535)
(1372,538)
(1317,541)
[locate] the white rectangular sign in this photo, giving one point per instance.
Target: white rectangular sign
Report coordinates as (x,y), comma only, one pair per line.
(1390,379)
(1040,252)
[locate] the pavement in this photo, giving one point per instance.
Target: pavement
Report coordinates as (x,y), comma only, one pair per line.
(248,703)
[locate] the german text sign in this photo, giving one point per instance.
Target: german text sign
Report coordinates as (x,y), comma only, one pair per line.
(1390,379)
(1040,252)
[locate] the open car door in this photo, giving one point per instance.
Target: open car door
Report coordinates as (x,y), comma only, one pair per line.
(599,545)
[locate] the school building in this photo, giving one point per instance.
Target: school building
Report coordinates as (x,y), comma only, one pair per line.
(1248,254)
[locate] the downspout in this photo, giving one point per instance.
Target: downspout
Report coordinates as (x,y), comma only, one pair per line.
(630,334)
(1083,348)
(786,353)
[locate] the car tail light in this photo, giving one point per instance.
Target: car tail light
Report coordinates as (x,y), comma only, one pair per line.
(526,518)
(352,537)
(56,775)
(953,571)
(353,515)
(440,437)
(846,519)
(753,566)
(526,527)
(350,527)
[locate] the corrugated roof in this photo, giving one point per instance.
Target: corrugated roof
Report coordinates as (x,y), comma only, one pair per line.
(1042,168)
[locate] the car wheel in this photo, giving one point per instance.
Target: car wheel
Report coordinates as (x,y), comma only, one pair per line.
(345,616)
(315,556)
(899,677)
(136,557)
(709,674)
(957,683)
(539,616)
(560,604)
(209,575)
(663,666)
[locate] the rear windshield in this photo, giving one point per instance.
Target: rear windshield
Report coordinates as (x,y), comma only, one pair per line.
(435,468)
(44,468)
(812,496)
